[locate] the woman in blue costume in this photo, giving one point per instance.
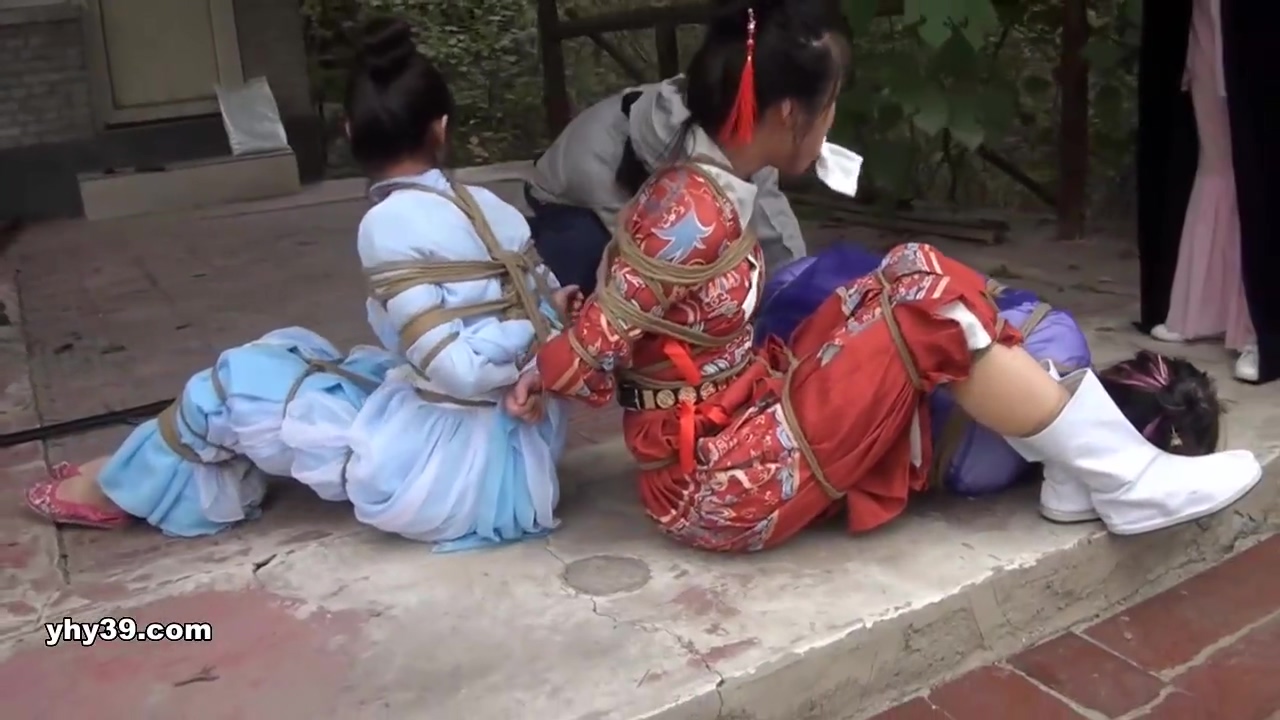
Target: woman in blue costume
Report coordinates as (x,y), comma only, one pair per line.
(456,293)
(456,287)
(191,471)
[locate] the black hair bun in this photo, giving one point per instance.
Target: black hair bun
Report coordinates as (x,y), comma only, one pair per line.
(386,48)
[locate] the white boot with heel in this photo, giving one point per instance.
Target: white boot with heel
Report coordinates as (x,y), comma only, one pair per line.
(1097,465)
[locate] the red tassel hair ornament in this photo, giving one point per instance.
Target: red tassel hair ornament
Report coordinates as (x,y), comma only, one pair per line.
(741,125)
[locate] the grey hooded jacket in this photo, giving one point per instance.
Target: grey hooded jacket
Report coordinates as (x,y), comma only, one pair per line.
(578,169)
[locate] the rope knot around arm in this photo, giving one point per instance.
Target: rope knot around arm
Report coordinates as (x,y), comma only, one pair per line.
(661,276)
(516,270)
(664,278)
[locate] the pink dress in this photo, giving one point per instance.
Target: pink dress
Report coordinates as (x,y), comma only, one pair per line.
(1208,292)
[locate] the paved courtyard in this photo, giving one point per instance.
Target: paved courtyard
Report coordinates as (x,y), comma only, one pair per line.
(316,616)
(1206,649)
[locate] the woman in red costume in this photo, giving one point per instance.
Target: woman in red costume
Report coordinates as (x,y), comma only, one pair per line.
(740,449)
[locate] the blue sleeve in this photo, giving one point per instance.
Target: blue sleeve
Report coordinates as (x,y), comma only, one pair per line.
(474,356)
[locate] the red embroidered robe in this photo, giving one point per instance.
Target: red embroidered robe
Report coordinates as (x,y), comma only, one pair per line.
(750,485)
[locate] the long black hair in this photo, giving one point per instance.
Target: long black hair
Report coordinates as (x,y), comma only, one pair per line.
(394,96)
(801,54)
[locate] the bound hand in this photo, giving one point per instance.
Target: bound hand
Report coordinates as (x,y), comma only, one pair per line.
(568,302)
(524,399)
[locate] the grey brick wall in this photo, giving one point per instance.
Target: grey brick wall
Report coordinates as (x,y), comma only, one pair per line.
(47,132)
(44,87)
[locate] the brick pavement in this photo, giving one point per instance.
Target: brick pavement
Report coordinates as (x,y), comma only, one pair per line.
(1205,649)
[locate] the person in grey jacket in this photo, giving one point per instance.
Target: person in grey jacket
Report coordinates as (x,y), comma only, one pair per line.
(578,188)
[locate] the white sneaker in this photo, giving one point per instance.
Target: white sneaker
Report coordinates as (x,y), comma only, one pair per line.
(1246,368)
(1162,333)
(1133,486)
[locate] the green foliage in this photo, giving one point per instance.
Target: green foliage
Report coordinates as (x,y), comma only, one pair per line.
(929,89)
(1112,53)
(488,50)
(948,77)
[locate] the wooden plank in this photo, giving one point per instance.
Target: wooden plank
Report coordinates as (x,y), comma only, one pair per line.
(667,43)
(555,88)
(643,18)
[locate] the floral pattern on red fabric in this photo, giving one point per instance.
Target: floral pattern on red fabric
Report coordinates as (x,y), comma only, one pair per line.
(852,396)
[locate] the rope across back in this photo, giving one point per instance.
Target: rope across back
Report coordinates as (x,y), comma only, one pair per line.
(513,269)
(659,275)
(389,280)
(693,386)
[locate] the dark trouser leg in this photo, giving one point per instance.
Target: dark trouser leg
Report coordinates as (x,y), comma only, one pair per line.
(571,241)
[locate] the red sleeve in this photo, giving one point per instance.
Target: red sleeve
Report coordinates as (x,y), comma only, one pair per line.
(679,218)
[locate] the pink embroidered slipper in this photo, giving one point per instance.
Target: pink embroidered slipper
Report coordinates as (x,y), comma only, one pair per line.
(43,499)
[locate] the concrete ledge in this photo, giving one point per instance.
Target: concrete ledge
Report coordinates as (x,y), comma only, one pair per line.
(506,180)
(837,627)
(189,185)
(1035,595)
(607,620)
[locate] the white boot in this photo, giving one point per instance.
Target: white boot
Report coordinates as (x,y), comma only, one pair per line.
(1064,500)
(1091,448)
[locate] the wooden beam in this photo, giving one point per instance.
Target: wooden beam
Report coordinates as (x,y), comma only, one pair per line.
(555,88)
(643,18)
(1073,133)
(629,66)
(666,42)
